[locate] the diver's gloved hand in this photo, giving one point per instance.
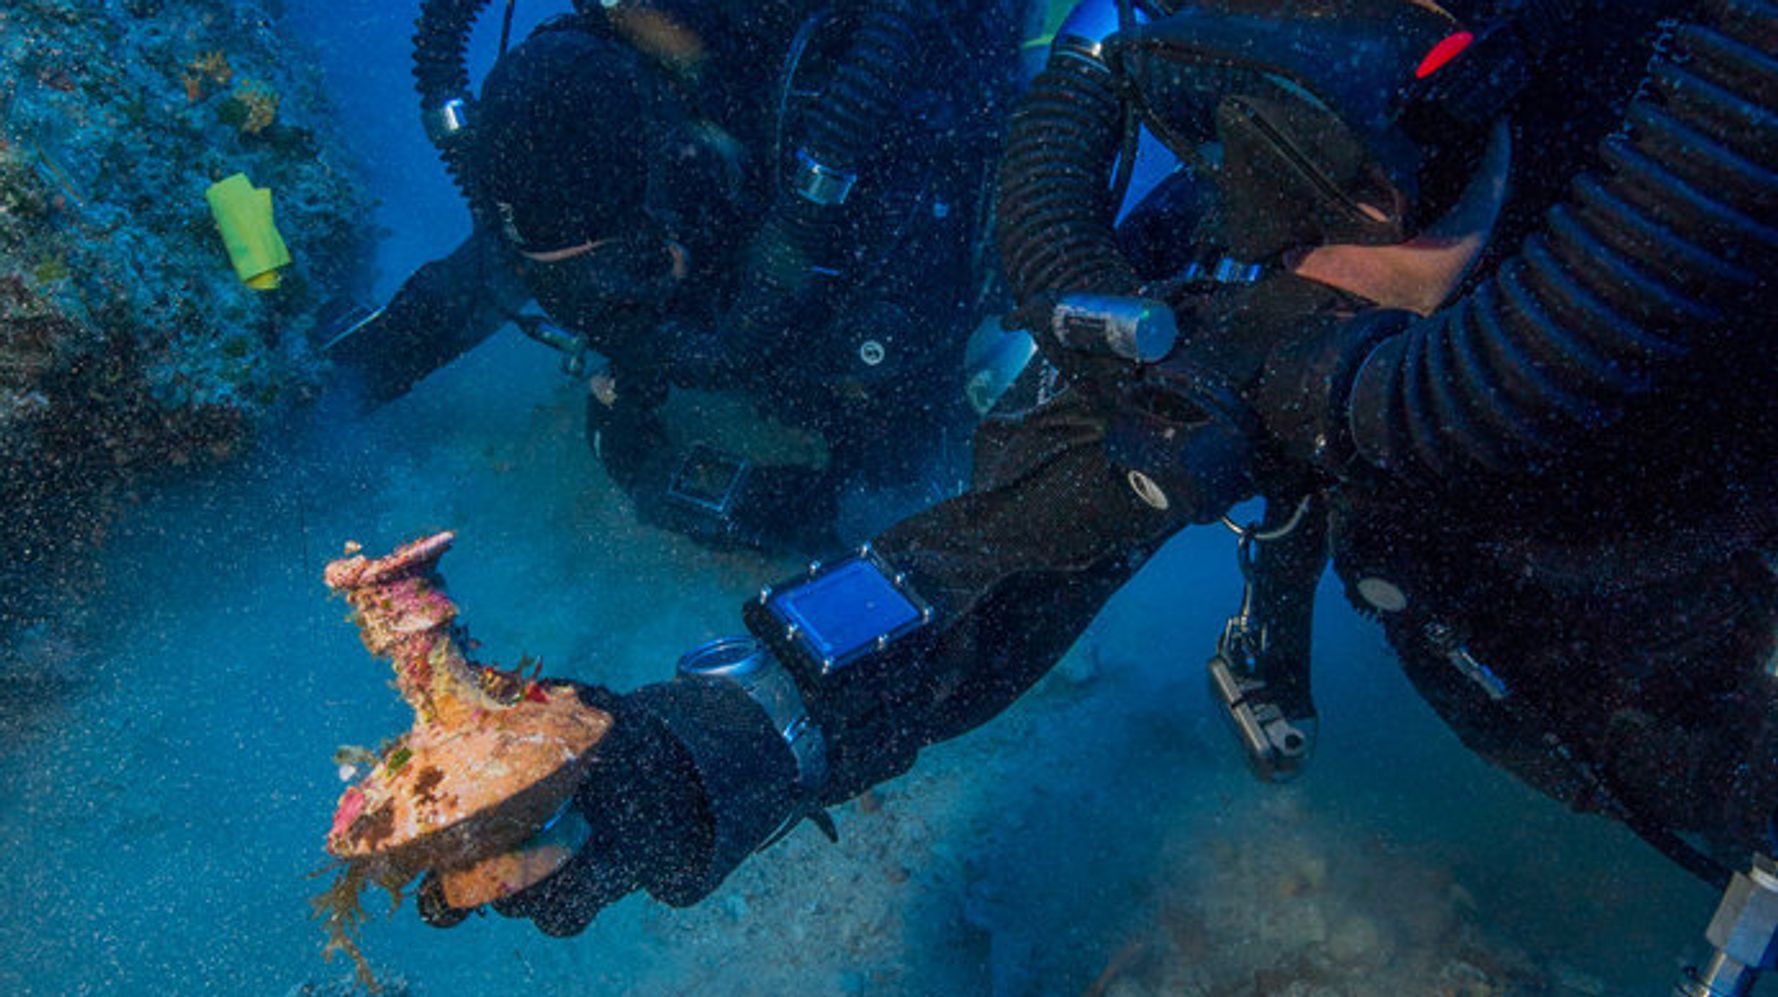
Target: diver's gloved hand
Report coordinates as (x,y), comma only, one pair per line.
(622,426)
(1263,360)
(1270,345)
(358,345)
(1186,439)
(647,819)
(441,311)
(1177,427)
(1301,391)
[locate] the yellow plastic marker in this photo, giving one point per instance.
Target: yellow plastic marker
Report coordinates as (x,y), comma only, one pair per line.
(244,217)
(1044,21)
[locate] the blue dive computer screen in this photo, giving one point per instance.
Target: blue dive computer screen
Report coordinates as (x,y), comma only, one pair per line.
(845,610)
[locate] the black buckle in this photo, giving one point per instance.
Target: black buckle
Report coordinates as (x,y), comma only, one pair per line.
(1471,92)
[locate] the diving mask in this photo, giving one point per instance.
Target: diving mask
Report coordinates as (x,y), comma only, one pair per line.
(1300,106)
(613,291)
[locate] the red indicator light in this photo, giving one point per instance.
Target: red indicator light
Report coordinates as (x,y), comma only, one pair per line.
(1442,53)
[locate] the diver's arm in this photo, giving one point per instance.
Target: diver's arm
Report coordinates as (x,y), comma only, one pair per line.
(755,733)
(443,310)
(1656,265)
(624,427)
(1013,571)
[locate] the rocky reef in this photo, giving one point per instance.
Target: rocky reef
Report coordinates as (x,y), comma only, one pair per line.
(128,345)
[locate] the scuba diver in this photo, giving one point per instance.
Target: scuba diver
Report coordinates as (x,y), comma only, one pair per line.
(1478,304)
(766,202)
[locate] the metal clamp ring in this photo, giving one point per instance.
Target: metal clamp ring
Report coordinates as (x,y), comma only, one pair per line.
(819,183)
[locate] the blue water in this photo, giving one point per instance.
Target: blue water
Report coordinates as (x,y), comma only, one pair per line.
(158,812)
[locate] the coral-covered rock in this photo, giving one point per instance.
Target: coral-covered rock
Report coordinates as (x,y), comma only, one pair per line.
(127,344)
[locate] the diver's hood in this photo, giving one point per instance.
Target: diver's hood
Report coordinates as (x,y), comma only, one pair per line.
(1304,100)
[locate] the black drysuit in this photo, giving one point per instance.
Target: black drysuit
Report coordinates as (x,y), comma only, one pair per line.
(845,321)
(1566,475)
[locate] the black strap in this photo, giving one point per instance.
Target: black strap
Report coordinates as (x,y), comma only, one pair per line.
(1509,51)
(1682,852)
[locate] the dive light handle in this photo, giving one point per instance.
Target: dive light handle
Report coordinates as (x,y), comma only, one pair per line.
(1140,330)
(1277,746)
(572,345)
(1745,933)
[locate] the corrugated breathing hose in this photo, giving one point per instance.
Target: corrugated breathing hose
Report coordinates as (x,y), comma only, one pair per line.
(1661,255)
(1055,221)
(441,72)
(863,96)
(867,87)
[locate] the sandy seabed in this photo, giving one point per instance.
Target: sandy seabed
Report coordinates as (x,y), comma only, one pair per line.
(166,774)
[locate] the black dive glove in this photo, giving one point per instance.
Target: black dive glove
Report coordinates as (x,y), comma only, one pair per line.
(1185,439)
(1279,347)
(1178,421)
(373,354)
(623,426)
(1302,392)
(1244,399)
(444,309)
(649,827)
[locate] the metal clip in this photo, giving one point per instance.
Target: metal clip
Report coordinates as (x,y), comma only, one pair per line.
(820,184)
(1444,640)
(1276,747)
(1242,642)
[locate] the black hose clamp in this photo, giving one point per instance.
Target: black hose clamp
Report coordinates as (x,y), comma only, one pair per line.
(1081,49)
